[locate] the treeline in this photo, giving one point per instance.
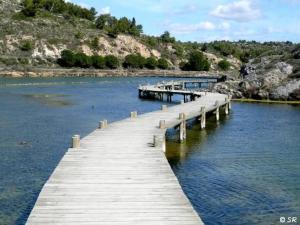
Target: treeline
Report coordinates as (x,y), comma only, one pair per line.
(114,26)
(32,7)
(133,61)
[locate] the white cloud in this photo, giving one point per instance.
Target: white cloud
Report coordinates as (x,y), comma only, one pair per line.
(241,11)
(179,28)
(186,9)
(105,10)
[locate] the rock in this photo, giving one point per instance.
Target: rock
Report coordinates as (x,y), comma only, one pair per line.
(290,91)
(248,72)
(284,68)
(263,94)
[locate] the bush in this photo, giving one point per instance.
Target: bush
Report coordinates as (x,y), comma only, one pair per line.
(163,64)
(224,65)
(112,62)
(151,63)
(67,59)
(82,60)
(26,46)
(95,43)
(197,62)
(134,61)
(98,62)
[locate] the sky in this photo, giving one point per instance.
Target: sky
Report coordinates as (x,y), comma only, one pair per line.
(208,20)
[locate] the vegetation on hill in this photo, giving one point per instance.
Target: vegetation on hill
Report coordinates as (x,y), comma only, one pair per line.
(32,7)
(35,32)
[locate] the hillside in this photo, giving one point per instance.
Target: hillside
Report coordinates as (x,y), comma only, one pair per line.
(33,37)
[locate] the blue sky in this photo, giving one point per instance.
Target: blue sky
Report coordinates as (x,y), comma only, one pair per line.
(207,20)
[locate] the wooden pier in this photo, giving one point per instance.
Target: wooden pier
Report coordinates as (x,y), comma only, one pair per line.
(119,174)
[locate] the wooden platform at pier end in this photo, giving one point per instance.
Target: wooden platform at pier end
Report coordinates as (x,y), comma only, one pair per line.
(118,176)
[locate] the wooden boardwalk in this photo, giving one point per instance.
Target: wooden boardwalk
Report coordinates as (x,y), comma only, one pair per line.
(120,175)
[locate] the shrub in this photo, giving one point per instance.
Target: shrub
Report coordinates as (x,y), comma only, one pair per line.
(134,61)
(224,65)
(112,62)
(95,43)
(82,60)
(67,59)
(197,62)
(151,63)
(163,64)
(26,46)
(98,62)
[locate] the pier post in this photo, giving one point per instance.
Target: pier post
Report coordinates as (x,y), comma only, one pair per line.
(203,118)
(227,107)
(182,132)
(160,141)
(103,124)
(134,115)
(217,111)
(162,124)
(229,102)
(164,108)
(76,141)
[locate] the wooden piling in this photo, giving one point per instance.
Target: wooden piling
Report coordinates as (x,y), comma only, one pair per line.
(164,108)
(203,118)
(103,124)
(76,141)
(133,115)
(162,124)
(217,112)
(182,131)
(160,141)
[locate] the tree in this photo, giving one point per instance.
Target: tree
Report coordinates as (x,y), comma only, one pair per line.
(29,9)
(166,37)
(163,64)
(83,61)
(197,62)
(67,59)
(112,62)
(134,61)
(98,62)
(95,43)
(224,65)
(151,63)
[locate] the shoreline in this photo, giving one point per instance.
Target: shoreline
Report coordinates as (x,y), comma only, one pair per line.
(76,72)
(266,101)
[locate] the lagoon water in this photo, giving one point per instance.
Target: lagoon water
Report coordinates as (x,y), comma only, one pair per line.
(243,170)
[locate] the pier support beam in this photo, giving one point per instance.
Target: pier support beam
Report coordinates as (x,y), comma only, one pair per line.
(182,131)
(229,103)
(76,141)
(203,118)
(217,112)
(227,108)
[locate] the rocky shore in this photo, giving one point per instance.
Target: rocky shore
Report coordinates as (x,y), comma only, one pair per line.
(263,80)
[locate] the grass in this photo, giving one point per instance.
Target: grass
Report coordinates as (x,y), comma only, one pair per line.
(247,100)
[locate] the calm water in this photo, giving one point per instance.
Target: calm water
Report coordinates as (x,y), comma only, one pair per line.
(244,170)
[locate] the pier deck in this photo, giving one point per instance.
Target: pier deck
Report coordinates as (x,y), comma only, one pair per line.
(120,175)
